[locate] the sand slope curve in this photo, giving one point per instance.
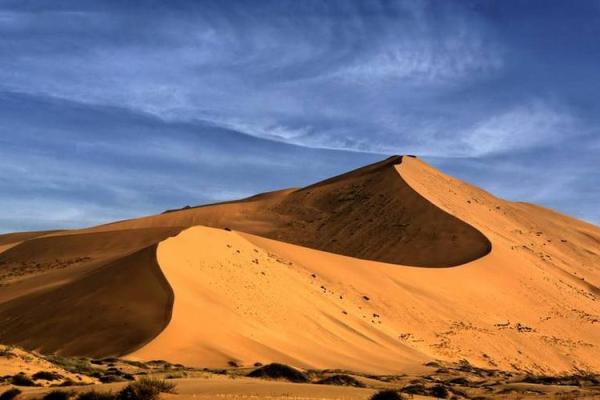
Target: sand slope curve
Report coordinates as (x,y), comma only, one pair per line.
(335,275)
(530,304)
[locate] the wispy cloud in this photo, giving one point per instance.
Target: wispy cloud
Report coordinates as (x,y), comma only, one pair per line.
(121,103)
(535,124)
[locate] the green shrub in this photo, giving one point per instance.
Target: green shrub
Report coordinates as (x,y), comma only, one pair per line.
(58,395)
(10,394)
(279,371)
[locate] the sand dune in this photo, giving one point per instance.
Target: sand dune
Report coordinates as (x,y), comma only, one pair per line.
(334,275)
(112,310)
(517,307)
(370,213)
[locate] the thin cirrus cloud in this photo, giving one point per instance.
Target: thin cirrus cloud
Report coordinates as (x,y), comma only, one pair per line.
(173,94)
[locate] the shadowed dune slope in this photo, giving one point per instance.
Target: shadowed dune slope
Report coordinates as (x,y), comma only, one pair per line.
(113,310)
(369,213)
(54,258)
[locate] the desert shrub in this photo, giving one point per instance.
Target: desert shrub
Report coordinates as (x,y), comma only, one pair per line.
(416,388)
(10,394)
(458,381)
(176,375)
(439,391)
(47,375)
(161,385)
(568,380)
(137,364)
(111,378)
(114,371)
(541,379)
(58,395)
(21,379)
(138,392)
(279,371)
(387,395)
(146,389)
(73,365)
(341,380)
(93,395)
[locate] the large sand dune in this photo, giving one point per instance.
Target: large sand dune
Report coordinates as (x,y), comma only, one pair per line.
(334,275)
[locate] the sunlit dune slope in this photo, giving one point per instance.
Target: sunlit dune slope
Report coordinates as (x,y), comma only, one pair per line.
(529,304)
(335,275)
(235,301)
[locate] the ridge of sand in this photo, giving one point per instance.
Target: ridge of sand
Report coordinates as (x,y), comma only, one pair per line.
(369,213)
(530,304)
(525,297)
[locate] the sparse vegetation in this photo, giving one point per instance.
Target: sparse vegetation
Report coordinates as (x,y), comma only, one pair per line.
(146,389)
(111,378)
(47,376)
(387,395)
(21,379)
(567,380)
(74,365)
(58,395)
(10,394)
(279,371)
(93,395)
(341,380)
(414,388)
(439,391)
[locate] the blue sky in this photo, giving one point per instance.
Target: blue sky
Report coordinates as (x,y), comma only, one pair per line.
(112,109)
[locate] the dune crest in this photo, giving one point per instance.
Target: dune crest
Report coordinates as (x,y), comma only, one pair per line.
(334,275)
(516,308)
(369,213)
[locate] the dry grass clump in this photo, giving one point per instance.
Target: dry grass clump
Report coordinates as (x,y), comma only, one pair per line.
(58,395)
(145,389)
(93,395)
